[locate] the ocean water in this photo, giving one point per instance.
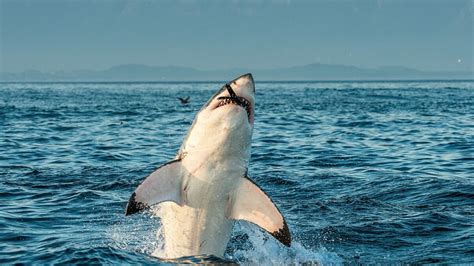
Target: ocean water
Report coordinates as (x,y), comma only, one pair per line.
(365,172)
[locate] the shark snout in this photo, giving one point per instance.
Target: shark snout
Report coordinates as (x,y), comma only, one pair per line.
(245,81)
(244,87)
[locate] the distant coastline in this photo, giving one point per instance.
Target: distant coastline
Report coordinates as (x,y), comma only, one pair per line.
(306,73)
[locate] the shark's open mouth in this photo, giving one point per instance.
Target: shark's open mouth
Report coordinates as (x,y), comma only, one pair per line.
(234,99)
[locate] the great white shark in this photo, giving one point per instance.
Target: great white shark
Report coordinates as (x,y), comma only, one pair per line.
(206,187)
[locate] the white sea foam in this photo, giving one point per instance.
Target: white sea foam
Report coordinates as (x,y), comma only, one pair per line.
(137,234)
(144,234)
(266,250)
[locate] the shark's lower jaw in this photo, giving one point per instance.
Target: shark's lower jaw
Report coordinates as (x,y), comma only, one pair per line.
(240,101)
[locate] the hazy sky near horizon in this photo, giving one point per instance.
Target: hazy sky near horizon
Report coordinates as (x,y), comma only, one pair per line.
(54,35)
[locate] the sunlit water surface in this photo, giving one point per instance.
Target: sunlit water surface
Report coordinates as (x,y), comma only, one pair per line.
(369,172)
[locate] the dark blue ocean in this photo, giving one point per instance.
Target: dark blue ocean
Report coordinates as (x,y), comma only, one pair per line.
(365,172)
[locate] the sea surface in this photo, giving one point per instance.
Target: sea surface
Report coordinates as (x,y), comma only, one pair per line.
(364,172)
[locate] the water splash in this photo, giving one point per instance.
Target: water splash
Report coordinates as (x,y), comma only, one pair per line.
(138,234)
(249,244)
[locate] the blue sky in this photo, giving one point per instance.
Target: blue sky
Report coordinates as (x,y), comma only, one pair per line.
(52,35)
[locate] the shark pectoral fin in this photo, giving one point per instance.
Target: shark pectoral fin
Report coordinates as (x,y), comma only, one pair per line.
(250,203)
(164,184)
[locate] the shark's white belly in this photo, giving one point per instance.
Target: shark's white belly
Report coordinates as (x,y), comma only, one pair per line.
(201,226)
(189,231)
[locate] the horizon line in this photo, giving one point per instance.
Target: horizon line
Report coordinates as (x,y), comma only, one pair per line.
(263,81)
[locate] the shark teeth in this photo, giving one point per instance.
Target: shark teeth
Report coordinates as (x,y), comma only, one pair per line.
(241,101)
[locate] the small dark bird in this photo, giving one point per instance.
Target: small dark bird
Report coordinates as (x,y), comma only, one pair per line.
(184,100)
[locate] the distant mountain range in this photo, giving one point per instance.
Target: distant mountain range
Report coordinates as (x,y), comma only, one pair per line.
(137,72)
